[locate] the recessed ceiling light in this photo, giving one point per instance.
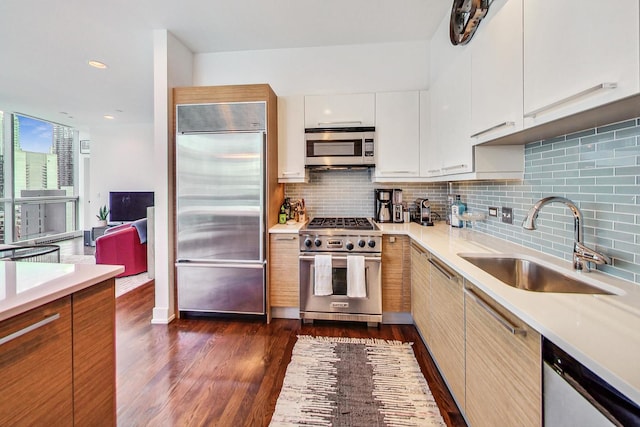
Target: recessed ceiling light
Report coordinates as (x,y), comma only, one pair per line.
(97,64)
(109,117)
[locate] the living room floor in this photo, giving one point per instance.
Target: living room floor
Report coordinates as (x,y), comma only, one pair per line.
(75,247)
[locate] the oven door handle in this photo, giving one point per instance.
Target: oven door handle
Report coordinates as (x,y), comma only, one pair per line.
(312,258)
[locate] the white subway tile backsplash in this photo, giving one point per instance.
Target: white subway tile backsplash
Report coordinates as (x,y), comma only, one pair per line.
(599,169)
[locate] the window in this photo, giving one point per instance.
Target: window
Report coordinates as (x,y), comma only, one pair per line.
(43,203)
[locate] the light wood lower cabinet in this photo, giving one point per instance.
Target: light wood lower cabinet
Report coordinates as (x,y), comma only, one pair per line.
(503,366)
(284,270)
(447,334)
(421,291)
(57,362)
(396,274)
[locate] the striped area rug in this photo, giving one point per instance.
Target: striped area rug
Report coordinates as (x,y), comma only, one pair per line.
(354,382)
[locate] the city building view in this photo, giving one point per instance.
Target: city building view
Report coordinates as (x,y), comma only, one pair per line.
(38,190)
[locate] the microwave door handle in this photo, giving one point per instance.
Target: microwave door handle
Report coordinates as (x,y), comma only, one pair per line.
(352,122)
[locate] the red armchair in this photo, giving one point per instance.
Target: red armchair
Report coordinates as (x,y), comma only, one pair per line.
(124,245)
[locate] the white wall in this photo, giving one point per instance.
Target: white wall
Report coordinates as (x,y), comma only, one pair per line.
(121,160)
(338,69)
(84,187)
(173,65)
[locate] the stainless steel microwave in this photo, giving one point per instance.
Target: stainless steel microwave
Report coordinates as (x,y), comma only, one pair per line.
(348,146)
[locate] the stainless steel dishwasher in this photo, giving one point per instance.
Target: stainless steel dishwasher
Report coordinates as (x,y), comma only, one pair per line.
(575,396)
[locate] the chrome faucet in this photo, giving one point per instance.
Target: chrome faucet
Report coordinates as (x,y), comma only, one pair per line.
(582,255)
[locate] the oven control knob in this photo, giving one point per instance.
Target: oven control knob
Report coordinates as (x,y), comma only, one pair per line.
(307,242)
(361,243)
(372,243)
(349,246)
(317,242)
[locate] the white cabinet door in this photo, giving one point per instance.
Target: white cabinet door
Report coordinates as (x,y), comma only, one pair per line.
(429,160)
(397,135)
(339,110)
(574,52)
(291,144)
(451,116)
(496,64)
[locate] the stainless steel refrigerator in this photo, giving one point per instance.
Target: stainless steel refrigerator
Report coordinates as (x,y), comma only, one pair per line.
(220,207)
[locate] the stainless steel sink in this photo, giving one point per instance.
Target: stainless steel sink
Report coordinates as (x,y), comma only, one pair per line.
(527,274)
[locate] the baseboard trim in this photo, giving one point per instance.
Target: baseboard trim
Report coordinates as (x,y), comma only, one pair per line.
(161,316)
(285,312)
(393,318)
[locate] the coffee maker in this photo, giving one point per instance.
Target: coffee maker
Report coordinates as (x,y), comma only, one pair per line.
(383,205)
(397,206)
(424,212)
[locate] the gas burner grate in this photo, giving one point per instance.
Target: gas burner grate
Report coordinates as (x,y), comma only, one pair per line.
(356,223)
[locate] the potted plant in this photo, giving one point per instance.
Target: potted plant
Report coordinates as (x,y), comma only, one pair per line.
(102,216)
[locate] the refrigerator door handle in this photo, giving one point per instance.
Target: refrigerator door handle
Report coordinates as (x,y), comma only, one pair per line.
(225,264)
(263,191)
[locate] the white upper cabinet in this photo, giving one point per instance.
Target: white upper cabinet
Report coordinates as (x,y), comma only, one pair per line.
(451,116)
(578,55)
(397,135)
(429,163)
(496,64)
(339,110)
(291,143)
(451,150)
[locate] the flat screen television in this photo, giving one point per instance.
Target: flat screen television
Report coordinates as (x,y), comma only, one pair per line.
(126,206)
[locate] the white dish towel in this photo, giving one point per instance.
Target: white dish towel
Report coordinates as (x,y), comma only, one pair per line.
(356,285)
(323,275)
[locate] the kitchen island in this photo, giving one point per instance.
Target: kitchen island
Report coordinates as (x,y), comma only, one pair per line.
(600,331)
(57,343)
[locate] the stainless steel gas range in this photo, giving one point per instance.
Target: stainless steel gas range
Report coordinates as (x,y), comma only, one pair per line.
(340,270)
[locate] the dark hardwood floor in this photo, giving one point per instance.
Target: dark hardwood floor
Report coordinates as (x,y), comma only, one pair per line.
(223,372)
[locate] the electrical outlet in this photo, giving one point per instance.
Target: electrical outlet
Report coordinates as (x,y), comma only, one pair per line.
(507,215)
(493,211)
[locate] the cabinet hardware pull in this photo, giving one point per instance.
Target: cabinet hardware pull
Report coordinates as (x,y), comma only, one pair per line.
(403,172)
(290,173)
(571,98)
(420,249)
(442,269)
(462,166)
(514,330)
(32,327)
(492,128)
(348,122)
(283,238)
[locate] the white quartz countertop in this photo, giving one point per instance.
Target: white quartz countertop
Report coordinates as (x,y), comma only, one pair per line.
(27,285)
(600,331)
(290,227)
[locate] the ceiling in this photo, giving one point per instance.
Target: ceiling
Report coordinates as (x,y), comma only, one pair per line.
(46,44)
